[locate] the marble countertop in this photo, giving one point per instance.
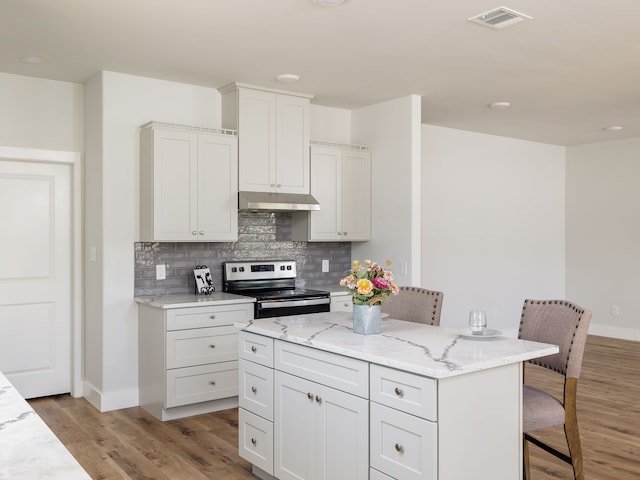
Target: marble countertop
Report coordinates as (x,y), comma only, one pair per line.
(179,301)
(28,448)
(435,352)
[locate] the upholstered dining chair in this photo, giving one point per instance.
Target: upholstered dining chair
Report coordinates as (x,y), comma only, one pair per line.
(415,305)
(564,324)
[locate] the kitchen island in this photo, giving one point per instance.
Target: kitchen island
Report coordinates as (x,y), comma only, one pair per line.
(413,402)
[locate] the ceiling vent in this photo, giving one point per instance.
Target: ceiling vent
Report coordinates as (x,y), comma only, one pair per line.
(500,17)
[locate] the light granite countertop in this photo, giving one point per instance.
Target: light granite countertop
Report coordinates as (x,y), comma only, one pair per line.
(28,448)
(435,352)
(179,301)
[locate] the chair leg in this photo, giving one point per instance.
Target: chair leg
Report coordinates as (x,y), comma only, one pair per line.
(526,472)
(571,429)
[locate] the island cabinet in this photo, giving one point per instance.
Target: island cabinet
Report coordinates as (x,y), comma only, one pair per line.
(273,134)
(416,402)
(188,184)
(188,358)
(341,182)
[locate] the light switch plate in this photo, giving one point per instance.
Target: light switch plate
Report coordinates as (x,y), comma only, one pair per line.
(325,266)
(161,271)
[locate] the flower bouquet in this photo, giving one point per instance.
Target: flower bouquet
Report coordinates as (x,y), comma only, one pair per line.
(368,286)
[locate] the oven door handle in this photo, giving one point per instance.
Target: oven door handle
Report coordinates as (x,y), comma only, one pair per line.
(293,303)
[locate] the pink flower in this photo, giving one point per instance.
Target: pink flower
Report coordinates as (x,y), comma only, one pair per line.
(381,282)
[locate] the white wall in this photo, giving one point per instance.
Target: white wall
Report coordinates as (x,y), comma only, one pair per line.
(493,220)
(330,124)
(125,103)
(392,131)
(37,113)
(603,234)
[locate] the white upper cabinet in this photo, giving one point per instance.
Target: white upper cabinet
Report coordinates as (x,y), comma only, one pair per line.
(273,137)
(341,182)
(188,184)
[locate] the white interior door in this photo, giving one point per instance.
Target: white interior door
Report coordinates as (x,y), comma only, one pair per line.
(35,276)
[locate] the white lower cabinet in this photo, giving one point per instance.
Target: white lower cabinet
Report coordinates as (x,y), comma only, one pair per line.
(188,358)
(320,432)
(341,303)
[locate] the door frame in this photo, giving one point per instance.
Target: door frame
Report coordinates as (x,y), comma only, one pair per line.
(74,160)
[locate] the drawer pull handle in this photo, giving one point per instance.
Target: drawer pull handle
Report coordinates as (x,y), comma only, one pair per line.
(194,233)
(213,345)
(212,382)
(399,448)
(253,442)
(254,349)
(399,392)
(201,232)
(212,316)
(318,399)
(310,396)
(254,389)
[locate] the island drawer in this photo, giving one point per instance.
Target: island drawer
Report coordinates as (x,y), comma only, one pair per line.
(403,446)
(256,389)
(199,346)
(256,348)
(342,373)
(376,475)
(255,440)
(210,316)
(202,383)
(404,391)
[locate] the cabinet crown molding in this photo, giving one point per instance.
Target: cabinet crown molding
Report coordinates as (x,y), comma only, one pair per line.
(230,87)
(191,128)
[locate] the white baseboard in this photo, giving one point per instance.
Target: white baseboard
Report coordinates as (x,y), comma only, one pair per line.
(614,332)
(112,400)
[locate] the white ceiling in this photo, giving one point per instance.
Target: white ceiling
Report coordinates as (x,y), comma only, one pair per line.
(569,73)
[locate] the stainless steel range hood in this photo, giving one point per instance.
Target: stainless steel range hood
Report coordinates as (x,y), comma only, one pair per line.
(288,202)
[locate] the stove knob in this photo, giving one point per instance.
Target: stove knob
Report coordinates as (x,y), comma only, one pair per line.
(281,267)
(234,269)
(288,267)
(242,269)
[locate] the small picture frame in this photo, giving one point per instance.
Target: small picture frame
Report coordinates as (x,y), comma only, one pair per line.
(204,283)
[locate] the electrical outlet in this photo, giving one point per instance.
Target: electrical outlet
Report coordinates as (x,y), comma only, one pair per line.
(161,272)
(325,266)
(615,311)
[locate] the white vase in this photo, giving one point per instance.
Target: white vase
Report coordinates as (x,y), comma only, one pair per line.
(366,319)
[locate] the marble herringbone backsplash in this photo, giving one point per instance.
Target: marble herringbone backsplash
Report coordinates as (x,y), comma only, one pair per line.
(260,236)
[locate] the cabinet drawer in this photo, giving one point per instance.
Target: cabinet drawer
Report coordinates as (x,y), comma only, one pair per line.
(256,389)
(376,475)
(341,303)
(199,346)
(403,446)
(202,383)
(256,348)
(210,316)
(255,440)
(404,391)
(342,373)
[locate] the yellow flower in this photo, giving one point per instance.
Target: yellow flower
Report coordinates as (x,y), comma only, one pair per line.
(364,286)
(389,263)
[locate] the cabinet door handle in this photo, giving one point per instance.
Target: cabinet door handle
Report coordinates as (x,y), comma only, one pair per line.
(310,395)
(253,442)
(399,448)
(318,399)
(194,232)
(212,316)
(399,392)
(279,185)
(201,232)
(254,389)
(254,349)
(273,185)
(339,233)
(345,233)
(212,382)
(213,345)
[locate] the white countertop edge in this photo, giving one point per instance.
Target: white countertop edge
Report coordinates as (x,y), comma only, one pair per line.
(536,350)
(182,301)
(28,447)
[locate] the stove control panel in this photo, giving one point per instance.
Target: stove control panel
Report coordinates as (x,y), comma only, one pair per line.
(266,270)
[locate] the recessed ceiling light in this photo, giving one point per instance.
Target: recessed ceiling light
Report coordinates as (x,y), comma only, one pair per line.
(500,105)
(31,59)
(613,128)
(328,3)
(288,78)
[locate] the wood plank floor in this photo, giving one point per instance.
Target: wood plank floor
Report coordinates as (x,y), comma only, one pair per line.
(131,444)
